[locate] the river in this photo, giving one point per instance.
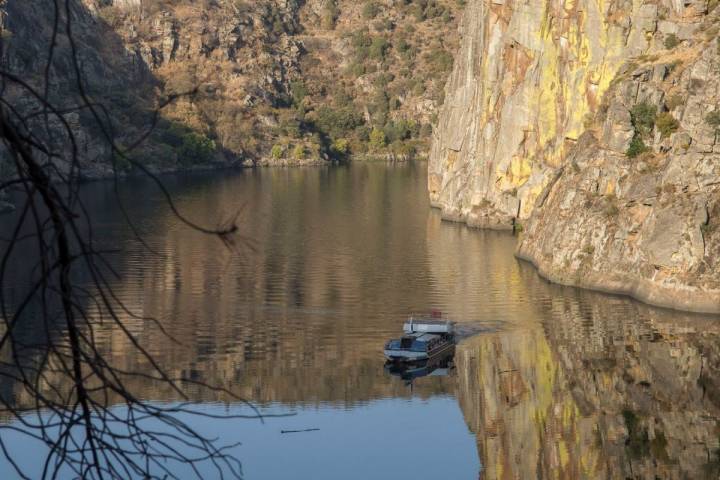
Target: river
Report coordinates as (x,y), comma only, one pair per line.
(554,382)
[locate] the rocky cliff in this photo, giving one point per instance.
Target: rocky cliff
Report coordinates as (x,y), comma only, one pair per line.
(645,225)
(38,64)
(592,126)
(284,81)
(272,81)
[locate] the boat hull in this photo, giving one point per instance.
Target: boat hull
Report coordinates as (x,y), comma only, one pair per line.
(409,356)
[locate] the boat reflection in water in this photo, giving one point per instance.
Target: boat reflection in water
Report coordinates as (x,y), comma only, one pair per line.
(439,366)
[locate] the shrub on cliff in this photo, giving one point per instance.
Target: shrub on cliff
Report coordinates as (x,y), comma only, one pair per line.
(171,133)
(674,101)
(299,152)
(330,14)
(637,146)
(370,10)
(356,69)
(713,119)
(299,91)
(666,124)
(378,48)
(427,9)
(671,41)
(191,147)
(340,147)
(402,44)
(403,149)
(377,139)
(276,152)
(418,88)
(336,122)
(439,61)
(400,130)
(418,12)
(361,41)
(643,117)
(272,17)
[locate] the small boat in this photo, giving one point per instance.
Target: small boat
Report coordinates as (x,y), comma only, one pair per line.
(424,338)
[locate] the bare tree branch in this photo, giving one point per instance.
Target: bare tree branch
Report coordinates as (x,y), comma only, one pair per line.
(83,409)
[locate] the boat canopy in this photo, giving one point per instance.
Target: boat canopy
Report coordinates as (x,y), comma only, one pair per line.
(425,325)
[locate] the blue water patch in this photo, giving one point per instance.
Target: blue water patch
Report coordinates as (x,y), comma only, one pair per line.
(391,438)
(384,439)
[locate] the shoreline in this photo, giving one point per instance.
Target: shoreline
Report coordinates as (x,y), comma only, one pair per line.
(260,164)
(7,207)
(640,290)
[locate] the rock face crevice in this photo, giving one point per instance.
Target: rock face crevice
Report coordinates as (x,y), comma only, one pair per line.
(592,125)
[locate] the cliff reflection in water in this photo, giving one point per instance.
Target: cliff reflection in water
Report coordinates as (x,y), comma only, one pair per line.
(561,383)
(601,387)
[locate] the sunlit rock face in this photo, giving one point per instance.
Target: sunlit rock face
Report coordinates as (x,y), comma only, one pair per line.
(245,57)
(595,399)
(643,225)
(527,80)
(539,129)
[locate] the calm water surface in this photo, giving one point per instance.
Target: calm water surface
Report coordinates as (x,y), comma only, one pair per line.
(555,382)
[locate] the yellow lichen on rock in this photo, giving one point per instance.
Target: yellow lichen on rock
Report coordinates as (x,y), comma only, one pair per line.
(539,71)
(516,175)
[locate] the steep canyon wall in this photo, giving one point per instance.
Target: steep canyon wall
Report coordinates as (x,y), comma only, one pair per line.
(591,126)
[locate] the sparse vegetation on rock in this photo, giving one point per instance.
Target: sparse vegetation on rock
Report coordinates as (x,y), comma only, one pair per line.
(287,71)
(671,41)
(713,119)
(666,124)
(643,117)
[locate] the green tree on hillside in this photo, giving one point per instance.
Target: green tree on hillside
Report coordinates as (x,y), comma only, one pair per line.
(196,149)
(377,139)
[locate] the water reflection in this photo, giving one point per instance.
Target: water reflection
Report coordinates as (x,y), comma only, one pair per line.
(439,366)
(560,383)
(599,387)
